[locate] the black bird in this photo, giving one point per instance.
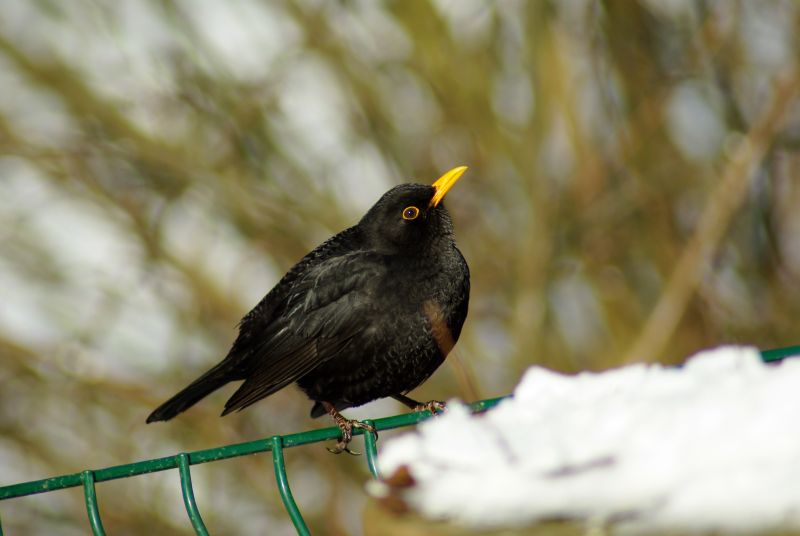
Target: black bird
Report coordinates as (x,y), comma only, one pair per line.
(370,313)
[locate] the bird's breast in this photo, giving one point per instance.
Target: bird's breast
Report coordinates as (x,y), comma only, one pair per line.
(425,296)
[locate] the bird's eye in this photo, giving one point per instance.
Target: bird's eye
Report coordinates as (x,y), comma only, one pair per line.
(410,213)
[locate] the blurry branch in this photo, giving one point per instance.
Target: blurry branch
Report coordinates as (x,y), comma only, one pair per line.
(87,105)
(66,166)
(23,364)
(719,211)
(159,160)
(19,361)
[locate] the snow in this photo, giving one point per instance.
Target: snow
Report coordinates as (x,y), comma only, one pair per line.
(711,446)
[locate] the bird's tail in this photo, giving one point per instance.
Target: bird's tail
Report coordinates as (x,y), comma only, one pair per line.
(193,393)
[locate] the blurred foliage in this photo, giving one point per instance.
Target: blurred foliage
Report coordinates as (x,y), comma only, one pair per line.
(163,162)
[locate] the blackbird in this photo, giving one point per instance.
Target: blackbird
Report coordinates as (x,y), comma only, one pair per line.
(370,313)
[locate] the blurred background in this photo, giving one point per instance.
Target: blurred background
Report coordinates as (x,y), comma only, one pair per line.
(162,163)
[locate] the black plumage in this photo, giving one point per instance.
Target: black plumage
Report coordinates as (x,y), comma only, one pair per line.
(370,313)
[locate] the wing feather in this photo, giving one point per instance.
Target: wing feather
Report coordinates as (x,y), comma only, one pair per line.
(325,308)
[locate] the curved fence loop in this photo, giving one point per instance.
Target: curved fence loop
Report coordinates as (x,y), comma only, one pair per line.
(283,486)
(90,497)
(371,448)
(188,495)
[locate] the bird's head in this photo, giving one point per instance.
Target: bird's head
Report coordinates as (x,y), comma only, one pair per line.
(410,217)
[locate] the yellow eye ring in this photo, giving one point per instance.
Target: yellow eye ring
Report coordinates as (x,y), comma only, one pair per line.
(410,213)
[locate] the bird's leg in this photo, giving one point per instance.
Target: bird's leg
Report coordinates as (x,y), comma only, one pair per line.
(434,406)
(346,426)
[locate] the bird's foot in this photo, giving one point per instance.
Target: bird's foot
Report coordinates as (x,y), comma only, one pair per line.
(434,406)
(346,426)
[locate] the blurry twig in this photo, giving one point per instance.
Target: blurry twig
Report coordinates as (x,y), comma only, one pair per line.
(714,221)
(465,378)
(90,107)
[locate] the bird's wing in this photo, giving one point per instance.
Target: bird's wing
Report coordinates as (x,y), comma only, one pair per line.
(325,308)
(273,304)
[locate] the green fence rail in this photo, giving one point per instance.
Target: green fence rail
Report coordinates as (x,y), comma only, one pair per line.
(276,445)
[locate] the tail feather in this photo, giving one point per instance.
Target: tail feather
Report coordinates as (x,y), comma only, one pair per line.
(193,393)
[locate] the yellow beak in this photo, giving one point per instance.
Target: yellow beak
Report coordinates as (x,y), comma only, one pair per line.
(444,183)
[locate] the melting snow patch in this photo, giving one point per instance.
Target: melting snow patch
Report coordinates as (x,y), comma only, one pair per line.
(711,446)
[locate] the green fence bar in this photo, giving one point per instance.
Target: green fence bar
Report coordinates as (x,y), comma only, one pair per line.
(90,496)
(283,487)
(776,354)
(214,454)
(275,444)
(188,495)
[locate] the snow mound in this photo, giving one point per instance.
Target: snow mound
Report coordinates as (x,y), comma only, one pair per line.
(711,446)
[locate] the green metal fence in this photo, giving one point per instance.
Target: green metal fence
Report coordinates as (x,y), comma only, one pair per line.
(276,445)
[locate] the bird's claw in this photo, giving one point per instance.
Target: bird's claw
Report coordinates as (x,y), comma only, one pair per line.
(434,406)
(342,447)
(346,426)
